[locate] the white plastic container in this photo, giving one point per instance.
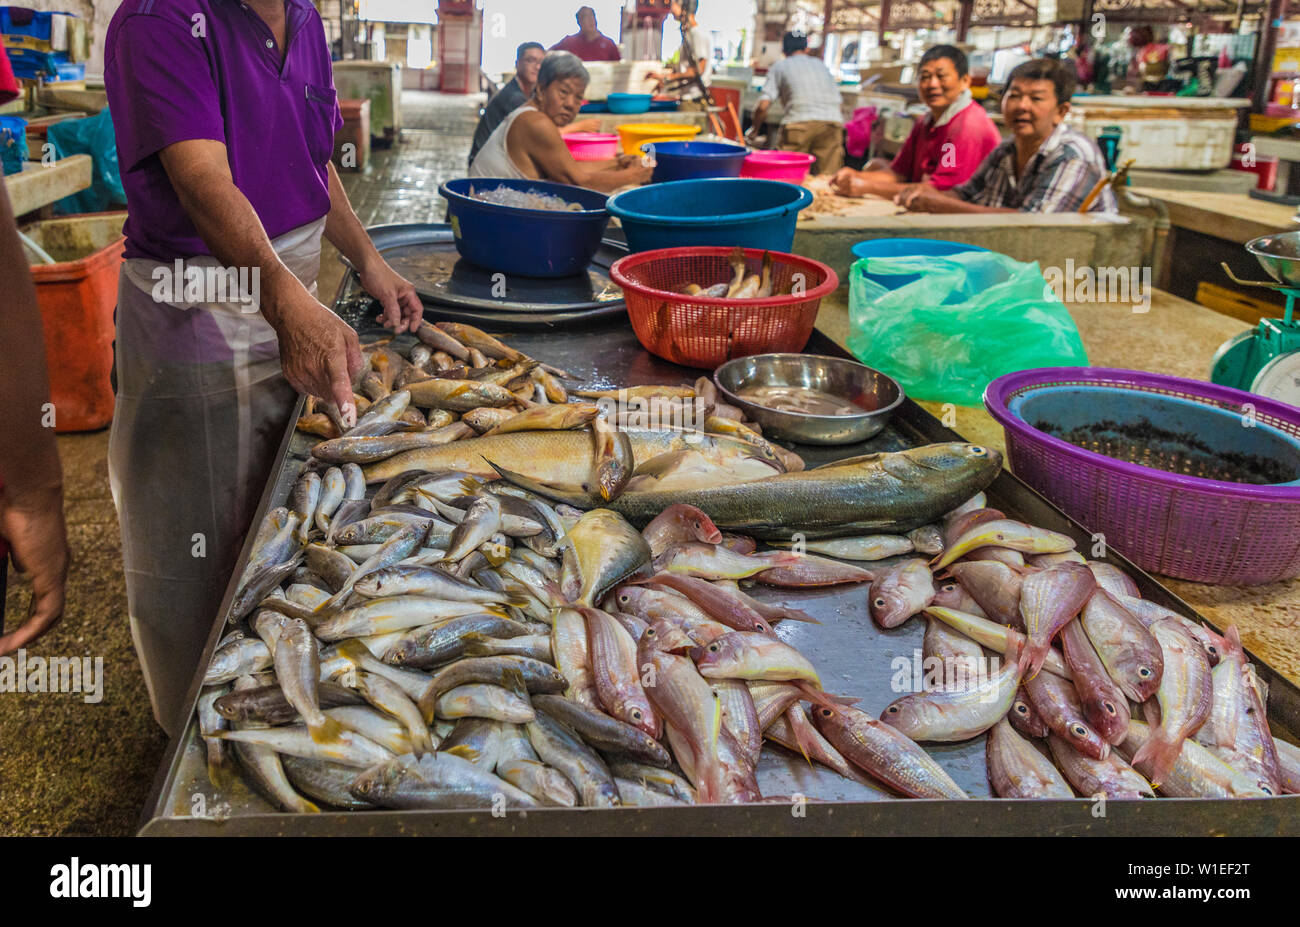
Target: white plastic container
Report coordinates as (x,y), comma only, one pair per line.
(1164,133)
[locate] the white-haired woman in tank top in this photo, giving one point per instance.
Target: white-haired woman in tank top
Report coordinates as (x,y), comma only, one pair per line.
(528,143)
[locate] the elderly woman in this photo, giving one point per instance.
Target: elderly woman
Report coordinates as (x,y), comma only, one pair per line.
(528,144)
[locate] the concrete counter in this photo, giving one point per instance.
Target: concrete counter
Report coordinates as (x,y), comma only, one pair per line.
(1178,338)
(828,229)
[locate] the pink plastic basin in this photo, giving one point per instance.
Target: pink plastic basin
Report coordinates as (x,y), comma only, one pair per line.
(790,166)
(591,146)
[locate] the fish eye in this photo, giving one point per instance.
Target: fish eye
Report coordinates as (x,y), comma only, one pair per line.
(1110,708)
(891,710)
(714,648)
(1078,730)
(1265,789)
(879,602)
(649,632)
(1021,708)
(624,597)
(978,451)
(826,712)
(636,714)
(1144,672)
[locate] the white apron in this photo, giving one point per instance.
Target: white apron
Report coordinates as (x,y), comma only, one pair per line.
(201,408)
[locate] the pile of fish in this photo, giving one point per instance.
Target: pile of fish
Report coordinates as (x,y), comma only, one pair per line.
(459,382)
(1137,699)
(743,284)
(510,620)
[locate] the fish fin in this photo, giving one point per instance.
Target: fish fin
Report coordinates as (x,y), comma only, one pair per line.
(353,651)
(1159,756)
(512,680)
(802,740)
(475,645)
(815,695)
(516,602)
(427,703)
(328,732)
(464,751)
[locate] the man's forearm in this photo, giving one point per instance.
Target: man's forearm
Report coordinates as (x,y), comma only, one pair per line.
(954,204)
(29,457)
(344,229)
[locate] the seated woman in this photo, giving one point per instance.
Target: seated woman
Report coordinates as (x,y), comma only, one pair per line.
(1045,166)
(527,144)
(945,146)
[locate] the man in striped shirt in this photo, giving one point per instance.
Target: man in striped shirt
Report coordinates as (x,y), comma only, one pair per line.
(813,121)
(1045,166)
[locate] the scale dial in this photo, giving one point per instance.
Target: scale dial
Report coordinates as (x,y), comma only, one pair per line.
(1233,361)
(1280,379)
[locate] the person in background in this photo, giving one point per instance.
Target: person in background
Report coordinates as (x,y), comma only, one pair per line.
(224,137)
(528,59)
(31,476)
(528,142)
(695,56)
(588,43)
(945,146)
(1045,166)
(813,121)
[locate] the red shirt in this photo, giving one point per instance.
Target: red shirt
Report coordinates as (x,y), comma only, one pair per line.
(8,84)
(602,48)
(947,154)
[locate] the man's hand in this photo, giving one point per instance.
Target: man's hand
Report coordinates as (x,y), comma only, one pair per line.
(403,310)
(918,197)
(319,352)
(33,526)
(848,182)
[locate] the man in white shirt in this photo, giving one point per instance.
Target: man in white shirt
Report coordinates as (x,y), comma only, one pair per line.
(813,121)
(696,54)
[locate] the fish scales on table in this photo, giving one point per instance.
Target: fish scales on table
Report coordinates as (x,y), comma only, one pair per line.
(505,618)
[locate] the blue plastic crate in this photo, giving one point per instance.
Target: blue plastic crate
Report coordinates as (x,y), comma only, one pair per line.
(18,20)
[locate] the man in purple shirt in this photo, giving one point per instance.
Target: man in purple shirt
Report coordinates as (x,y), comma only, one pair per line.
(225,114)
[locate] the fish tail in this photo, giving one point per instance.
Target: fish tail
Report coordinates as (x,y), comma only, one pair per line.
(1159,755)
(427,702)
(327,731)
(802,738)
(817,695)
(1030,660)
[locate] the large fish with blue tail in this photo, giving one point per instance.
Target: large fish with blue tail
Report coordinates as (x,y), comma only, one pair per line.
(887,492)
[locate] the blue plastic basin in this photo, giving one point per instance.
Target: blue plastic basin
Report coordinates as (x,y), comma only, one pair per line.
(691,160)
(626,103)
(528,242)
(906,247)
(726,211)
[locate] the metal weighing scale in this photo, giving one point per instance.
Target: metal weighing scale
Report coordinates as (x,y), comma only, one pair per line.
(1266,359)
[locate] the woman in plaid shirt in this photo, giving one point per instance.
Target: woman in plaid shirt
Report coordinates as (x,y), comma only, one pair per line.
(1045,166)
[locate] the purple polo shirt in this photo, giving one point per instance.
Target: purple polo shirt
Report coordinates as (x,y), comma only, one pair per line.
(209,69)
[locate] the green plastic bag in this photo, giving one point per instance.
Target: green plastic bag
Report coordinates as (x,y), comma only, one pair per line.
(969,319)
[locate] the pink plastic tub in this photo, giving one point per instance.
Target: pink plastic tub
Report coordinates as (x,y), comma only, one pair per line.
(591,146)
(790,166)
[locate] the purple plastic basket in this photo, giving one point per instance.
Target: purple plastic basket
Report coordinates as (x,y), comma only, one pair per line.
(1191,527)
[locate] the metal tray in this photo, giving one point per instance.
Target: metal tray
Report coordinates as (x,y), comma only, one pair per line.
(457,290)
(853,656)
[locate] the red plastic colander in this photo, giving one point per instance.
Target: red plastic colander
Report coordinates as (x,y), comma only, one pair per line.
(1182,477)
(704,332)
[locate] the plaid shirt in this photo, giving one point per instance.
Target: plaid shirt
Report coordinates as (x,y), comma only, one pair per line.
(806,89)
(1058,178)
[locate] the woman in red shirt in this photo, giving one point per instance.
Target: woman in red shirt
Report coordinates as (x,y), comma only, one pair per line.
(945,146)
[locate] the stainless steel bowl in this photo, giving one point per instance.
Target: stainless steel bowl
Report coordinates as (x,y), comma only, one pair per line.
(1280,256)
(877,394)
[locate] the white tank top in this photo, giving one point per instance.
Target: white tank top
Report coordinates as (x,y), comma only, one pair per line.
(493,159)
